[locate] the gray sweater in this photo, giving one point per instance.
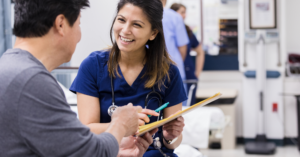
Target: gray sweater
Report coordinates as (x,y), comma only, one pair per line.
(35,119)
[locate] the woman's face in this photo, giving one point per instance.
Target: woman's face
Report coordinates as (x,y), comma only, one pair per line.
(132,29)
(182,12)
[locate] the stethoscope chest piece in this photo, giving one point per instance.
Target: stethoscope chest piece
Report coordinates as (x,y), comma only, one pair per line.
(112,109)
(157,143)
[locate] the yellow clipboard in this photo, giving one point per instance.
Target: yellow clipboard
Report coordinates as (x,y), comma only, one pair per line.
(146,128)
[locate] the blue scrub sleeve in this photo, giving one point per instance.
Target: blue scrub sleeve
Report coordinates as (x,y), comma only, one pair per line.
(86,79)
(175,91)
(181,35)
(194,42)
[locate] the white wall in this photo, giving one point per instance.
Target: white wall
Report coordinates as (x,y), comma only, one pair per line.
(95,26)
(193,14)
(293,25)
(229,10)
(291,85)
(226,80)
(170,2)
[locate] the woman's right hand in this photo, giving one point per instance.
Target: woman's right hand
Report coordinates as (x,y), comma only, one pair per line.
(143,116)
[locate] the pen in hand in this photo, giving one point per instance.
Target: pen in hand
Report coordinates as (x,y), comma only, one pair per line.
(160,108)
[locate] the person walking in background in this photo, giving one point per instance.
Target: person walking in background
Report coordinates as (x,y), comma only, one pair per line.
(176,37)
(191,71)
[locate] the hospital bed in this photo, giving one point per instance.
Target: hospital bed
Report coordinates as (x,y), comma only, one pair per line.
(222,133)
(202,126)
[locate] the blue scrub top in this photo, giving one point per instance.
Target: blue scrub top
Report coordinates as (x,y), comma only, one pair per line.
(93,80)
(189,63)
(175,36)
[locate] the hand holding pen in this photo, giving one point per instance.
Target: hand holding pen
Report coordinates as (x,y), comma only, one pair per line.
(145,114)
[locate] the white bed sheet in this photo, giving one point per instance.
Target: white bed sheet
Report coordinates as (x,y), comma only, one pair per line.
(185,150)
(198,123)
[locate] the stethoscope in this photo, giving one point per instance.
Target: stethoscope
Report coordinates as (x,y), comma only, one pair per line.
(113,107)
(156,142)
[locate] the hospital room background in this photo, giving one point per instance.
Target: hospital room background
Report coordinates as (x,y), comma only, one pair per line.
(252,57)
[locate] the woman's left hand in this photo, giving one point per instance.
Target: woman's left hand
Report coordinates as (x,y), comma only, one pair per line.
(173,129)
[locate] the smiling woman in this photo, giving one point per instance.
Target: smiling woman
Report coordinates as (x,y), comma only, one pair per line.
(139,23)
(136,66)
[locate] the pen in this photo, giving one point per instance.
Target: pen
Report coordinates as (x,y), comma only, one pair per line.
(160,108)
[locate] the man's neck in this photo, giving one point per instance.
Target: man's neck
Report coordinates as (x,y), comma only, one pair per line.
(43,49)
(164,2)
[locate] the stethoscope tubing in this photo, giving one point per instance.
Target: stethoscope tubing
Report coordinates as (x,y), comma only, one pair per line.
(157,144)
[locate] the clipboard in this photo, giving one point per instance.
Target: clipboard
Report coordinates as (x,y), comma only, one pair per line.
(146,128)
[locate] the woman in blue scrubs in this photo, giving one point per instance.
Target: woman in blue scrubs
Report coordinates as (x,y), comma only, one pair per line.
(137,64)
(192,69)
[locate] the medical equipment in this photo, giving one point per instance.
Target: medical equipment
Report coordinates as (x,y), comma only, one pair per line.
(157,144)
(261,146)
(113,107)
(268,37)
(293,65)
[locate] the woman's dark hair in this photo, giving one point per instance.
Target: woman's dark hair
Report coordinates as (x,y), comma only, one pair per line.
(157,57)
(34,18)
(176,7)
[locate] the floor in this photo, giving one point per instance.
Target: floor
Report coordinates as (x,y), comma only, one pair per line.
(289,151)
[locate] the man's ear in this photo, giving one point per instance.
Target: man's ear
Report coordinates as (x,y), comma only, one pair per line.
(60,24)
(154,34)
